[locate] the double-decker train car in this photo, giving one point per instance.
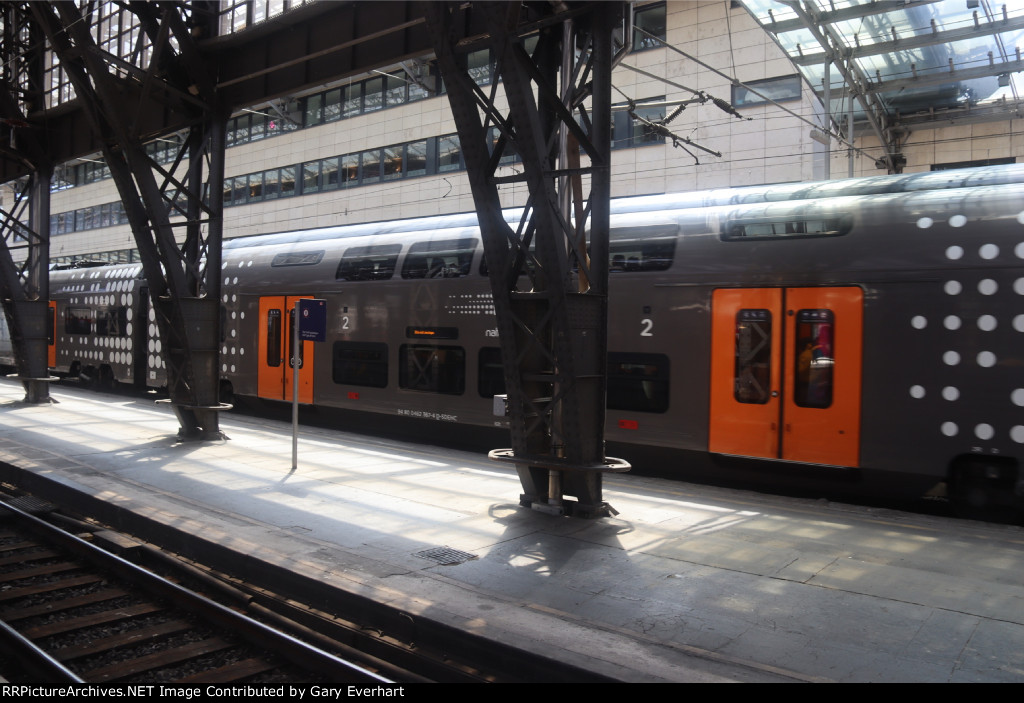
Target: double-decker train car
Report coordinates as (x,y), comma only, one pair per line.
(848,326)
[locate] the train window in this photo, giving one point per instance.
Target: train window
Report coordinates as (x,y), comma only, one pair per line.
(442,258)
(78,321)
(112,322)
(646,247)
(434,369)
(273,338)
(360,364)
(814,359)
(373,263)
(490,379)
(785,228)
(753,356)
(638,382)
(298,258)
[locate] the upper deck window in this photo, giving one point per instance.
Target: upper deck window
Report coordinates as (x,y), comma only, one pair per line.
(441,258)
(372,263)
(786,227)
(642,248)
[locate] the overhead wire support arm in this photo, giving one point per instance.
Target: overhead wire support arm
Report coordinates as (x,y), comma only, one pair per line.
(834,135)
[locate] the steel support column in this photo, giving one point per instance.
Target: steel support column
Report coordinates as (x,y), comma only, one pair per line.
(24,284)
(549,271)
(184,280)
(25,226)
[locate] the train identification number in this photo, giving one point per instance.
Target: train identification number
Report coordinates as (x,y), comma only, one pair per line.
(428,415)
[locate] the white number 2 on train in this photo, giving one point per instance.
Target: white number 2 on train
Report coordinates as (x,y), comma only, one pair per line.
(344,322)
(648,326)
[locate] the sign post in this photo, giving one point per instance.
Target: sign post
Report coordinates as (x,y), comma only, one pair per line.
(310,325)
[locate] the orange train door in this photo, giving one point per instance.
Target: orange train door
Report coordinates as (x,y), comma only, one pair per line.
(785,374)
(275,351)
(51,335)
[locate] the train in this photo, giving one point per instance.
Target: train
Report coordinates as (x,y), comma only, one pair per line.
(810,329)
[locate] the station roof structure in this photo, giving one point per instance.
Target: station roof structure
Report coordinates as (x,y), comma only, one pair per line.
(894,65)
(904,64)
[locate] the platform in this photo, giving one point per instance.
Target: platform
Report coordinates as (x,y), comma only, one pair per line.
(687,584)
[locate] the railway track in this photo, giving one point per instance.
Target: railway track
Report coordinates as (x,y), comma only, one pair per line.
(74,613)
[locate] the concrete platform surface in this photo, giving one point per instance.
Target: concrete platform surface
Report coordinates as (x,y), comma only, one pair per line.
(687,583)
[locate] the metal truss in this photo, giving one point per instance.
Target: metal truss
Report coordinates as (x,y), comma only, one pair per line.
(877,116)
(25,224)
(549,270)
(183,277)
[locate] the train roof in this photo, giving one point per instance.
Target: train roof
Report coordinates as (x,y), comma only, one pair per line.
(750,195)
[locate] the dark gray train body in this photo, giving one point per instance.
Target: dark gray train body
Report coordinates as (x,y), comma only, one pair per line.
(893,307)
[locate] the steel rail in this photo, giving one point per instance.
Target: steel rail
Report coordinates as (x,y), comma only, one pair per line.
(295,650)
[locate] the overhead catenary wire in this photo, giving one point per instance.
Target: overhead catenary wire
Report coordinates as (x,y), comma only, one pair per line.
(737,82)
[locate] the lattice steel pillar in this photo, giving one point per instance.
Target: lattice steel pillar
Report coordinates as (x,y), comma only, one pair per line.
(25,226)
(184,281)
(549,271)
(25,285)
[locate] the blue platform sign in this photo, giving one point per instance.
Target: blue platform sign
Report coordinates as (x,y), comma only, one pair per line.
(313,319)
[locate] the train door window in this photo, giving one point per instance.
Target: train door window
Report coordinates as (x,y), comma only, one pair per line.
(442,258)
(638,382)
(274,338)
(434,369)
(490,372)
(373,263)
(78,321)
(813,360)
(51,327)
(360,364)
(753,356)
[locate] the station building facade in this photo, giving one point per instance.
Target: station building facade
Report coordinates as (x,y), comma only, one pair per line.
(383,146)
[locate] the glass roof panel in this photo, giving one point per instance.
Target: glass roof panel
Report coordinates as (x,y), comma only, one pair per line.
(928,54)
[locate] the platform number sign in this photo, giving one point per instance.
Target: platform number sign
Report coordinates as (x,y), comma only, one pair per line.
(313,319)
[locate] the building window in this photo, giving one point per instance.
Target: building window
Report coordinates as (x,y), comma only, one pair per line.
(651,20)
(449,154)
(371,166)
